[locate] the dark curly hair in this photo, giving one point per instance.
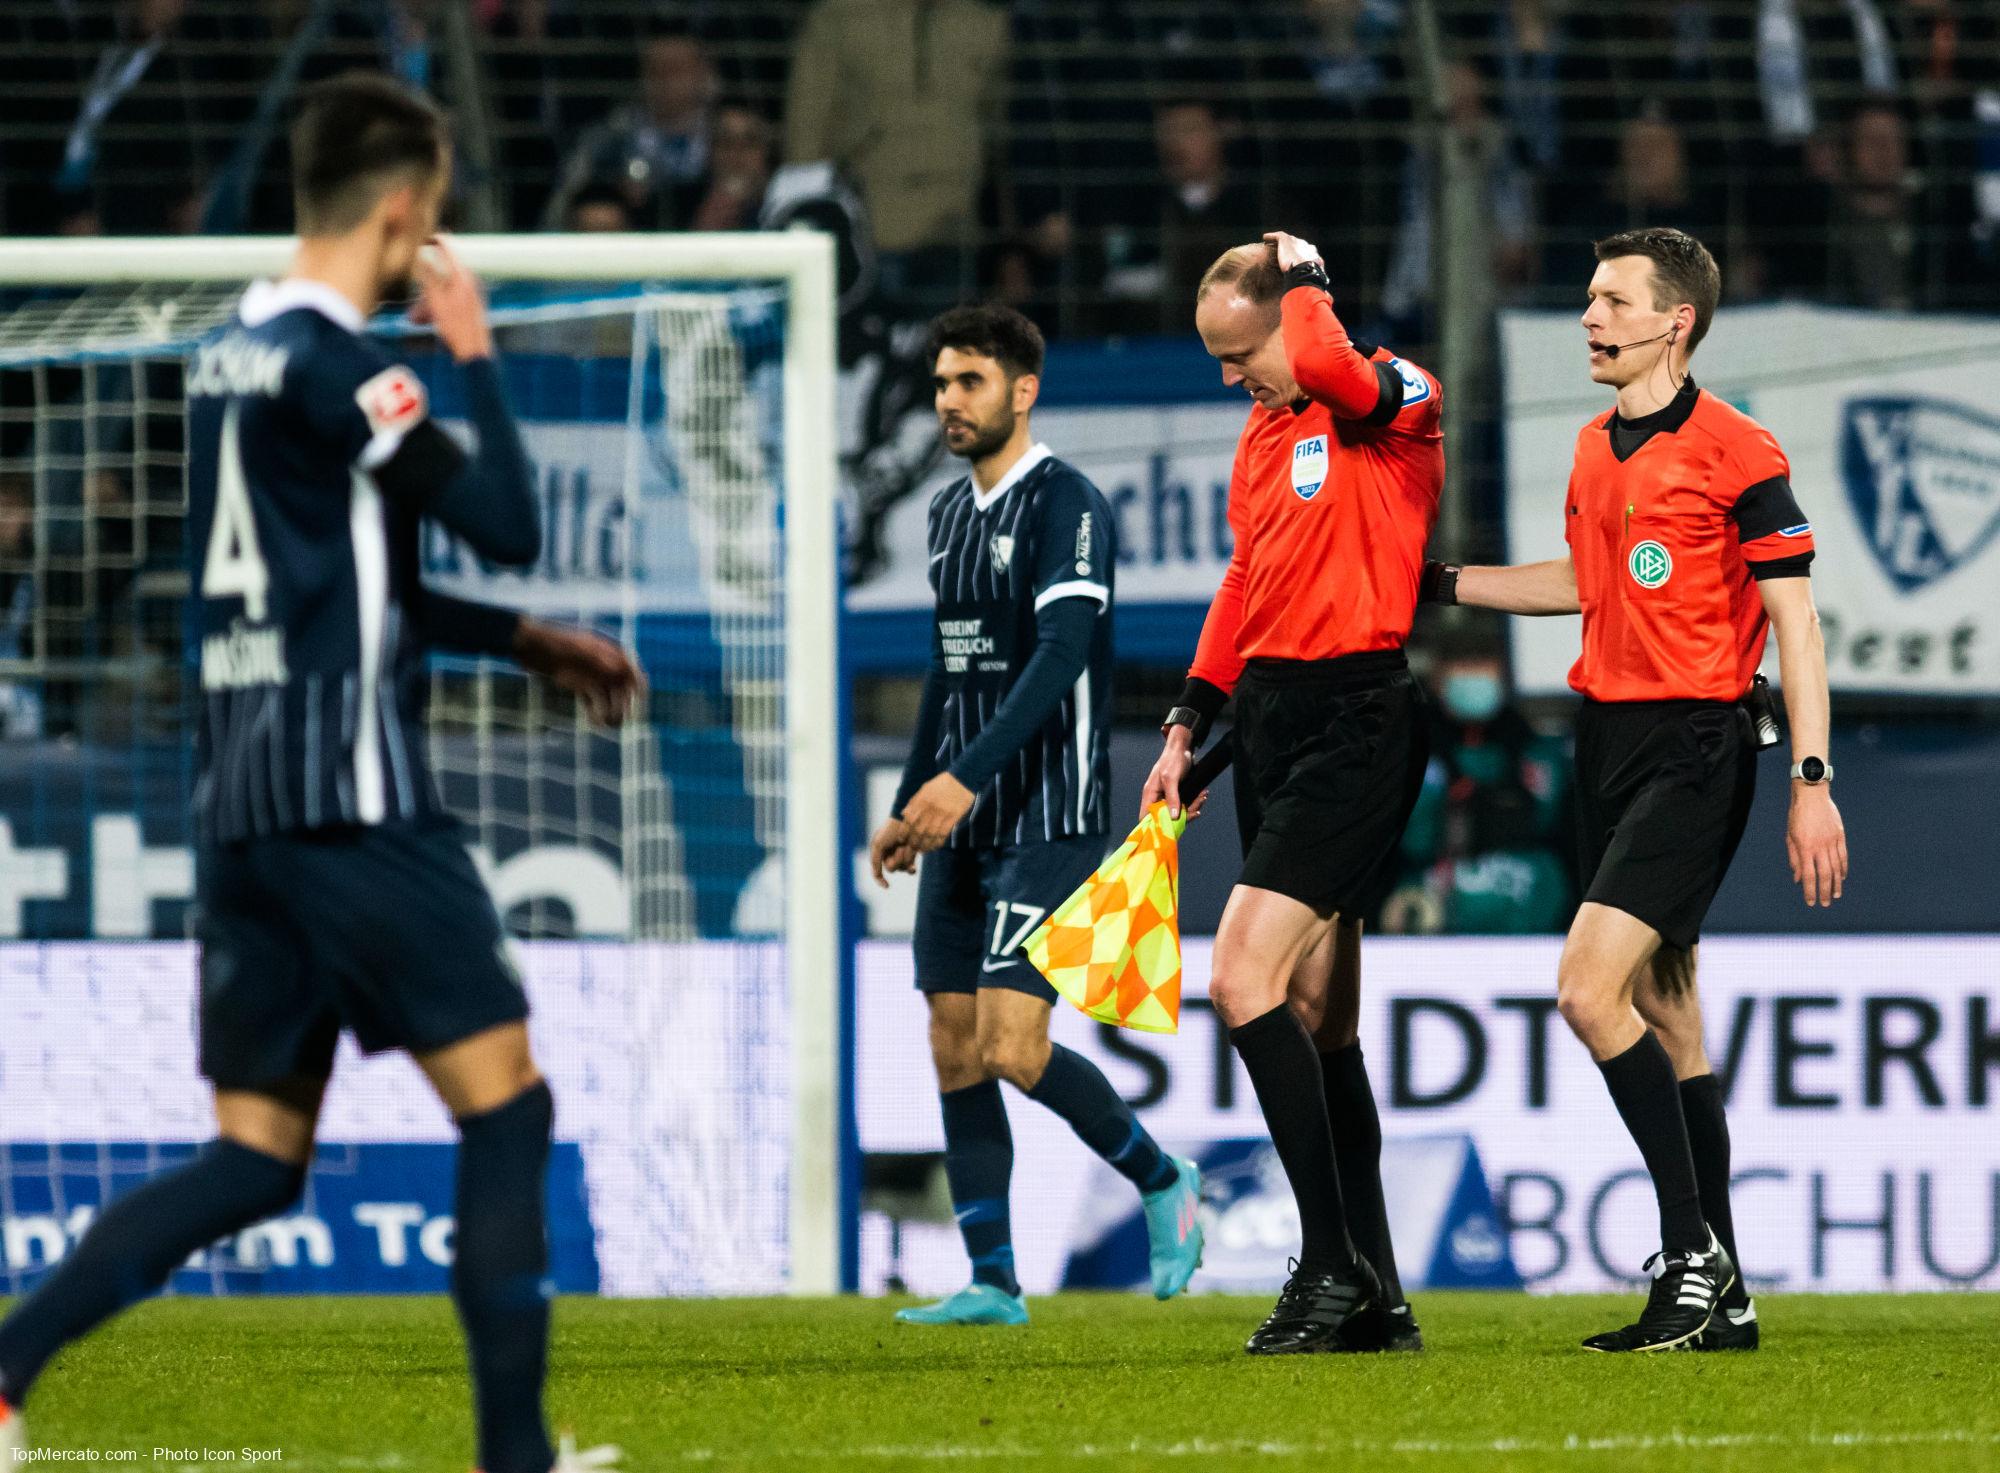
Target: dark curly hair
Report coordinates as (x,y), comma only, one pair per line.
(991,331)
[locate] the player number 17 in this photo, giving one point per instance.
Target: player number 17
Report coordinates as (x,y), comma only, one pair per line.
(1034,916)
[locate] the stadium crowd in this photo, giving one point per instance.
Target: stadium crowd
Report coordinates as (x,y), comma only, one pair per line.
(1085,158)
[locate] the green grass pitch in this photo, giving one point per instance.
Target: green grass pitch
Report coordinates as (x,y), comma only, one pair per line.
(1096,1382)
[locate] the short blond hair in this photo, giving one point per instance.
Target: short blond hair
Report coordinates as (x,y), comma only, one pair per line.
(1252,269)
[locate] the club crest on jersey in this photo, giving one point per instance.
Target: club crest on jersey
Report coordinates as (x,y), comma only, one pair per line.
(393,401)
(1309,466)
(1923,477)
(1002,548)
(1650,564)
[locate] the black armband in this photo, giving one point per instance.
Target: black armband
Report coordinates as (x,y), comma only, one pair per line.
(1309,273)
(1798,565)
(1439,584)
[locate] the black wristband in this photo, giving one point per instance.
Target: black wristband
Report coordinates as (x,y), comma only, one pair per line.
(1309,273)
(1439,584)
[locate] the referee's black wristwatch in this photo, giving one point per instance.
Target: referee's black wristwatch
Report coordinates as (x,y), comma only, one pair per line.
(1201,701)
(1812,771)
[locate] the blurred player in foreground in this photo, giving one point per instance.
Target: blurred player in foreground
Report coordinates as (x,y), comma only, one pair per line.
(1006,795)
(1333,494)
(333,891)
(1686,547)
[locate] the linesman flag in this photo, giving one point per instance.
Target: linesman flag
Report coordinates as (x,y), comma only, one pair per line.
(1114,947)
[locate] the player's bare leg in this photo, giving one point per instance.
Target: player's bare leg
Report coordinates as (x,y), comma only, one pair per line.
(1668,996)
(1263,942)
(499,1274)
(1014,1045)
(1326,994)
(253,1170)
(1605,951)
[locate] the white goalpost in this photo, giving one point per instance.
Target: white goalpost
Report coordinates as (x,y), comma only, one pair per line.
(680,406)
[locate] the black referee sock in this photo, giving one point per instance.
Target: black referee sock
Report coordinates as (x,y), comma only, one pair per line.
(499,1276)
(1284,1070)
(1357,1152)
(134,1246)
(1708,1138)
(978,1160)
(1077,1090)
(1643,1088)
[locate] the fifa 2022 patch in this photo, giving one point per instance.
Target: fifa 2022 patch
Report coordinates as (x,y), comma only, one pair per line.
(1650,564)
(1309,459)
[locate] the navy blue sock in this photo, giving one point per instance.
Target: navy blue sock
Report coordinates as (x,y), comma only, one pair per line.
(978,1160)
(1077,1090)
(139,1241)
(498,1278)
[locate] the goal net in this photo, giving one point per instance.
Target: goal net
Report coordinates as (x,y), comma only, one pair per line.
(675,885)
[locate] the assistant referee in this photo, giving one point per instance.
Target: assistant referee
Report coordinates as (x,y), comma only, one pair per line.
(1686,546)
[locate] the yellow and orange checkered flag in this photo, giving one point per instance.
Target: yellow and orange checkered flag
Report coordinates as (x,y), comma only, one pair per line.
(1114,947)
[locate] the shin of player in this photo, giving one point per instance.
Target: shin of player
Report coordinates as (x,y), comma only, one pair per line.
(1005,797)
(1682,559)
(333,893)
(1338,469)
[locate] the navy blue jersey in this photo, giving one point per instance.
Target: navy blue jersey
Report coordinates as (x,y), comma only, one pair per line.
(1043,533)
(310,453)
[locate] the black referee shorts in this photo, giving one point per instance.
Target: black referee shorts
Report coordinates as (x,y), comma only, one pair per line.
(1330,756)
(1663,789)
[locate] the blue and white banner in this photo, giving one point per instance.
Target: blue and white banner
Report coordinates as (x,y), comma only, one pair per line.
(1892,427)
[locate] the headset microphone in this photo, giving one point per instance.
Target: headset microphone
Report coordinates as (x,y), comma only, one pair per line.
(1612,350)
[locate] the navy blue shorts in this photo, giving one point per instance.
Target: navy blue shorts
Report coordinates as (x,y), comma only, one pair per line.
(976,906)
(385,931)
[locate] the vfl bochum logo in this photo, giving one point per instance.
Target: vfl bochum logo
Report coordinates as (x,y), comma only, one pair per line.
(1003,551)
(1923,476)
(1650,564)
(1309,466)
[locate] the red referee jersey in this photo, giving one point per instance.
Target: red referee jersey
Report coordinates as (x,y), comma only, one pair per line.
(1668,543)
(1331,502)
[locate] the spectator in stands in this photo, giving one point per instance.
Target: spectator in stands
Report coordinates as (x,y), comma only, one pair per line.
(149,124)
(655,149)
(1872,241)
(1156,251)
(1486,848)
(742,156)
(1495,257)
(906,96)
(598,209)
(1651,185)
(20,705)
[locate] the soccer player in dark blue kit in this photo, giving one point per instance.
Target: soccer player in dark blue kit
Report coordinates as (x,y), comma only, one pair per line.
(333,892)
(1006,796)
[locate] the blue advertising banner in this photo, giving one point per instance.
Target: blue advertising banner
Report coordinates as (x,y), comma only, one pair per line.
(374,1219)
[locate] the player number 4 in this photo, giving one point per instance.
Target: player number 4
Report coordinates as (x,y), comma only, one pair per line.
(1000,908)
(234,567)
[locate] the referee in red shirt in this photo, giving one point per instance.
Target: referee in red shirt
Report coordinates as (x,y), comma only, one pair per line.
(1686,546)
(1331,499)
